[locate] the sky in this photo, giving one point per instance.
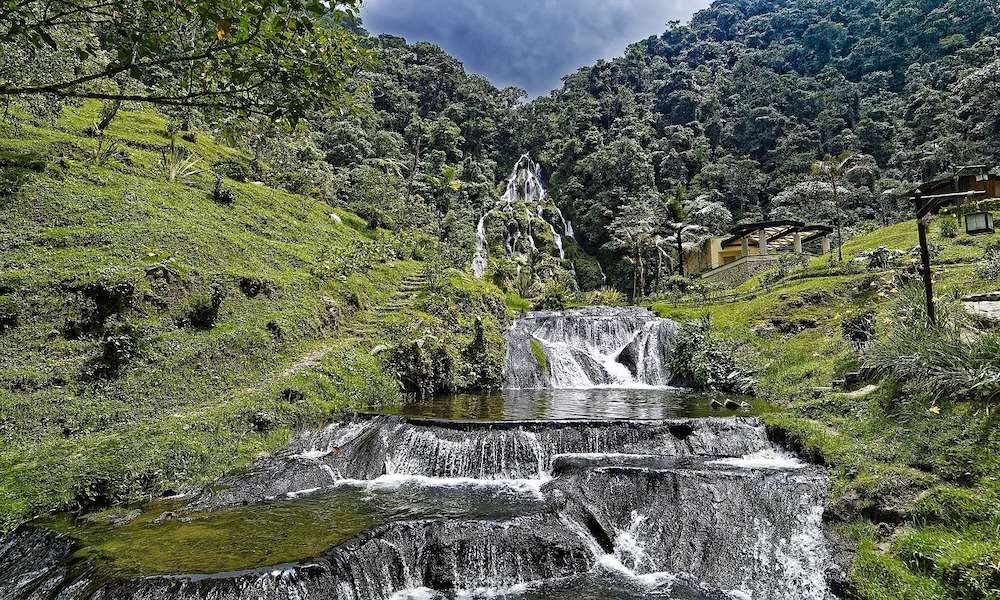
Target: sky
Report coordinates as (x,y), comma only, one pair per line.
(527,43)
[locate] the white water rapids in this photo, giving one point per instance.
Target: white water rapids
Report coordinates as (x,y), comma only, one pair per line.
(590,348)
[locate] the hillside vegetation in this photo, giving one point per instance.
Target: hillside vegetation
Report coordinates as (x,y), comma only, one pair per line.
(154,334)
(914,461)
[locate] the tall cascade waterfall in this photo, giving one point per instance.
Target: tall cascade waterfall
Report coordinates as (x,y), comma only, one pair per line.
(588,348)
(524,189)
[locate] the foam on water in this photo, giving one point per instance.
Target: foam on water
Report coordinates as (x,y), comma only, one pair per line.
(771,458)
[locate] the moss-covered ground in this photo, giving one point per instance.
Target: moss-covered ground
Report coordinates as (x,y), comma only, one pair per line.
(117,381)
(914,486)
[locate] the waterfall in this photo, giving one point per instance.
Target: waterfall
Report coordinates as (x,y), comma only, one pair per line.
(699,508)
(523,187)
(557,240)
(688,508)
(588,348)
(479,262)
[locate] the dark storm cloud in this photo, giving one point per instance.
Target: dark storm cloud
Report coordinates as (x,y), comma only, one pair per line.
(528,43)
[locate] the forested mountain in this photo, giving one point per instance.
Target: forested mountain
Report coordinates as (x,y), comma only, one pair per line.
(729,112)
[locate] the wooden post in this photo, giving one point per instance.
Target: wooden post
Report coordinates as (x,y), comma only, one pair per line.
(680,250)
(925,259)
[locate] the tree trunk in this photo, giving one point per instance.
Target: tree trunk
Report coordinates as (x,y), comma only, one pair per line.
(839,219)
(109,116)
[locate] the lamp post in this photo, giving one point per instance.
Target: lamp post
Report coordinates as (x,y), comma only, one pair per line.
(925,255)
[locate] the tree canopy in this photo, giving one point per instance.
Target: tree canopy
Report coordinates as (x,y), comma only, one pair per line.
(268,58)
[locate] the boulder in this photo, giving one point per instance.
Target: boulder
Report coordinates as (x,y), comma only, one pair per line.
(984,308)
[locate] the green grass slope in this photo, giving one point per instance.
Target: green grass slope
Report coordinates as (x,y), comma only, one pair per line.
(116,382)
(914,483)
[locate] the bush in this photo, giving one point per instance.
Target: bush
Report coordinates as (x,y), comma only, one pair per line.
(119,348)
(933,362)
(555,296)
(678,285)
(222,194)
(233,169)
(606,297)
(484,360)
(949,227)
(989,268)
(704,363)
(880,259)
(423,367)
(376,218)
(10,312)
(204,309)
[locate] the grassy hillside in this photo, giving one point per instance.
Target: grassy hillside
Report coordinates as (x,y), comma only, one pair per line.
(914,477)
(153,336)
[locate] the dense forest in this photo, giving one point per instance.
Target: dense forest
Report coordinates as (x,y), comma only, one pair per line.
(711,123)
(226,224)
(726,115)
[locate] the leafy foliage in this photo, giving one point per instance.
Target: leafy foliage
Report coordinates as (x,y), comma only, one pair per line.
(936,363)
(271,58)
(733,111)
(706,363)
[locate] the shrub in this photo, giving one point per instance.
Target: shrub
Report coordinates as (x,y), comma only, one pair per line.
(177,163)
(786,264)
(704,363)
(376,218)
(423,367)
(948,227)
(859,330)
(989,268)
(119,348)
(484,359)
(880,259)
(606,297)
(222,194)
(677,285)
(104,150)
(233,169)
(934,362)
(9,314)
(204,309)
(555,296)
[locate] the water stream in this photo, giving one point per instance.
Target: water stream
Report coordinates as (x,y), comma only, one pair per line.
(622,490)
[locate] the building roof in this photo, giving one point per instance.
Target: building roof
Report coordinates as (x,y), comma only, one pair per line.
(780,234)
(934,185)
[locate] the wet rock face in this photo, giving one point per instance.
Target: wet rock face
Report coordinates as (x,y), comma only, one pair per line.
(687,508)
(590,347)
(759,531)
(372,447)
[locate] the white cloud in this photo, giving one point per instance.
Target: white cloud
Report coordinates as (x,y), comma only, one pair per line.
(529,43)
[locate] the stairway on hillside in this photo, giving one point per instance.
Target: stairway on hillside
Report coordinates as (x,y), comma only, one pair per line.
(364,324)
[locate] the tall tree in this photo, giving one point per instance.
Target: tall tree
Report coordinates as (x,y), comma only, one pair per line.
(835,170)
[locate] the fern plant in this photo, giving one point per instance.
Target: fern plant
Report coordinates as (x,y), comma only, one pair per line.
(178,163)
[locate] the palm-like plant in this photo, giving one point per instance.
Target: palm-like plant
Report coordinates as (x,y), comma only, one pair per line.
(178,163)
(835,169)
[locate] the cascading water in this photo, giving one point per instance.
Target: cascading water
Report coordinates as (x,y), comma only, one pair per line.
(479,262)
(524,188)
(588,348)
(668,508)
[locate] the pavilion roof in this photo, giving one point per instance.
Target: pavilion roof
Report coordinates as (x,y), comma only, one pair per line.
(780,234)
